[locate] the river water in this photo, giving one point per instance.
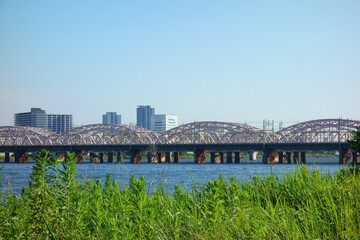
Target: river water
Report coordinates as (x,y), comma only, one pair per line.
(16,176)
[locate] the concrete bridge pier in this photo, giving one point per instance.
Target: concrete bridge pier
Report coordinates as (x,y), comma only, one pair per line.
(161,157)
(252,155)
(215,158)
(61,156)
(79,156)
(92,157)
(120,158)
(221,154)
(152,157)
(200,156)
(237,157)
(212,157)
(281,157)
(110,157)
(135,156)
(96,158)
(303,157)
(288,158)
(344,156)
(7,157)
(296,157)
(229,157)
(269,156)
(176,157)
(355,157)
(21,156)
(167,157)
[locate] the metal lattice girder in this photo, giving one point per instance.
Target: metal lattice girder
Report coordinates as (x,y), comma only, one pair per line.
(116,134)
(209,132)
(319,131)
(316,131)
(10,136)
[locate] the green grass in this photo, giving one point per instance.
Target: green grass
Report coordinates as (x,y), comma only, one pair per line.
(302,205)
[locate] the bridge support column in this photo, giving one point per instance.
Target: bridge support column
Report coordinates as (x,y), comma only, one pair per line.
(176,157)
(288,157)
(344,156)
(61,156)
(120,158)
(281,157)
(152,157)
(96,158)
(200,156)
(296,157)
(101,157)
(92,157)
(161,157)
(269,156)
(110,157)
(212,157)
(215,158)
(252,155)
(303,157)
(135,156)
(79,156)
(237,157)
(24,157)
(168,157)
(229,157)
(221,154)
(355,158)
(21,156)
(7,157)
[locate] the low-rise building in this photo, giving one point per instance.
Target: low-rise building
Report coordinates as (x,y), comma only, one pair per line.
(58,123)
(163,122)
(35,118)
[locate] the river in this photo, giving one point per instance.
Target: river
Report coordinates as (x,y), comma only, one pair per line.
(17,175)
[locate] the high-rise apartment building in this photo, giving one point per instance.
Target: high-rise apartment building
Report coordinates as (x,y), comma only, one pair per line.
(163,122)
(35,118)
(58,123)
(111,118)
(143,116)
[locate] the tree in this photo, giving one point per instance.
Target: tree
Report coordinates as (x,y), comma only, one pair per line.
(355,146)
(355,141)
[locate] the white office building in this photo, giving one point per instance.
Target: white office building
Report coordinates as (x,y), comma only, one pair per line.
(163,122)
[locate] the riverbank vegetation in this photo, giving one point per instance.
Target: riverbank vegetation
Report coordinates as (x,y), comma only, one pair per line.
(302,204)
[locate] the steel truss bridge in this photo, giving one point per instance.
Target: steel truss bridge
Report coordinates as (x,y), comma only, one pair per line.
(323,134)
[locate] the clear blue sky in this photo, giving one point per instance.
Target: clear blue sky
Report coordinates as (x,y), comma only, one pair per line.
(201,60)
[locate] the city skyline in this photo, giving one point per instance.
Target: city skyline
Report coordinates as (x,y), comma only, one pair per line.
(215,61)
(266,124)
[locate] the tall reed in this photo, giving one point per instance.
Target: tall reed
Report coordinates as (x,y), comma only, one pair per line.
(302,204)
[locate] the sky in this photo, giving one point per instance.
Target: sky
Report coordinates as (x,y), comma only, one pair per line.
(231,61)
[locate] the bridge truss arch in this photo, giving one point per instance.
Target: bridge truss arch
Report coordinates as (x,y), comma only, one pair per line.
(21,136)
(315,131)
(210,132)
(109,134)
(319,131)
